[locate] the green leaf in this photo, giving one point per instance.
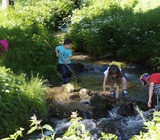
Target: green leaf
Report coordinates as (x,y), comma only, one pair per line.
(48,127)
(32,129)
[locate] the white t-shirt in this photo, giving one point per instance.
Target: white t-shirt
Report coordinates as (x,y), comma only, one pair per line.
(106,71)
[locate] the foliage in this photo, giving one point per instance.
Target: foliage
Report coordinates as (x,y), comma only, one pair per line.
(120,29)
(155,63)
(18,100)
(36,125)
(26,26)
(76,131)
(152,127)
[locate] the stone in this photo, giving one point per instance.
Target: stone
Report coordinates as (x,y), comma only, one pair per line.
(84,94)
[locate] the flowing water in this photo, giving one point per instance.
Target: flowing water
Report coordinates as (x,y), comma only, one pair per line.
(124,127)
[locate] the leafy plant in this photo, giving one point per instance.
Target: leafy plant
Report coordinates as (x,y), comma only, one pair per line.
(26,26)
(76,131)
(18,100)
(152,127)
(36,125)
(118,29)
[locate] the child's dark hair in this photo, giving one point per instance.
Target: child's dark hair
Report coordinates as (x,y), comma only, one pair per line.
(114,69)
(67,42)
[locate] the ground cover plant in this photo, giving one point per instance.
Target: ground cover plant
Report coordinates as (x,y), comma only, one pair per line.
(18,100)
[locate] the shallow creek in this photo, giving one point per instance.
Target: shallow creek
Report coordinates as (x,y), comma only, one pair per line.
(125,127)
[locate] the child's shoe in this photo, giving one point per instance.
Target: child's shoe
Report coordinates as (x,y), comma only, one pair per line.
(112,94)
(65,80)
(124,93)
(157,107)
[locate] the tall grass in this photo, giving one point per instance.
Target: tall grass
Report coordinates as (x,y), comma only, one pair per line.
(18,100)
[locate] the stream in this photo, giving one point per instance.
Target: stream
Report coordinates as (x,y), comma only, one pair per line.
(125,127)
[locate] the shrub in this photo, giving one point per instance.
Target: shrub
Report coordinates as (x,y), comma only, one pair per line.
(26,26)
(18,99)
(126,29)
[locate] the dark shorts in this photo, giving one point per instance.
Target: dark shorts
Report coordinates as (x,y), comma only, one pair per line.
(123,74)
(156,89)
(65,71)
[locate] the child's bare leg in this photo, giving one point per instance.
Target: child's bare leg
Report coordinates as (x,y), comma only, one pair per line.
(112,90)
(124,83)
(111,87)
(117,91)
(124,86)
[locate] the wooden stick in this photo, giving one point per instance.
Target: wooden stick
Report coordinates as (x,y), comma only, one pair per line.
(60,58)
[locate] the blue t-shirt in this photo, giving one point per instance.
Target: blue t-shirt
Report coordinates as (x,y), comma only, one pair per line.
(63,54)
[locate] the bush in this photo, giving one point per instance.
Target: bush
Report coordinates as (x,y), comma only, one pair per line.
(26,26)
(128,30)
(18,99)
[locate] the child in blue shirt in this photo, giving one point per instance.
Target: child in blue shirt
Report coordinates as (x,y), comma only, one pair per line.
(64,54)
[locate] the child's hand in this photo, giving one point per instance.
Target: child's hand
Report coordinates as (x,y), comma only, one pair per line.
(149,104)
(57,55)
(103,93)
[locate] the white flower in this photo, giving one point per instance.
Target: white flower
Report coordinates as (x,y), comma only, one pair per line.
(7,91)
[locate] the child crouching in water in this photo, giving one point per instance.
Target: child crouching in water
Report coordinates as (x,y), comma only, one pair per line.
(114,75)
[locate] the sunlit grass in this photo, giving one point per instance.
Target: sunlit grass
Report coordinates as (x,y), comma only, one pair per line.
(146,5)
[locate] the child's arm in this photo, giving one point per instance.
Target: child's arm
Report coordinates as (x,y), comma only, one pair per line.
(57,53)
(68,59)
(104,85)
(117,91)
(151,85)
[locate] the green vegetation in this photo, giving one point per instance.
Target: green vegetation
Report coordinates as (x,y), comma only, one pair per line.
(114,28)
(126,29)
(18,100)
(26,26)
(76,131)
(123,29)
(152,128)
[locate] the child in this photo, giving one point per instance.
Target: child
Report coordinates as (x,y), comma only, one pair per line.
(64,54)
(113,75)
(3,47)
(153,81)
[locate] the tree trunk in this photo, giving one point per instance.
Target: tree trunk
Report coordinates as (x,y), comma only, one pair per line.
(11,2)
(5,4)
